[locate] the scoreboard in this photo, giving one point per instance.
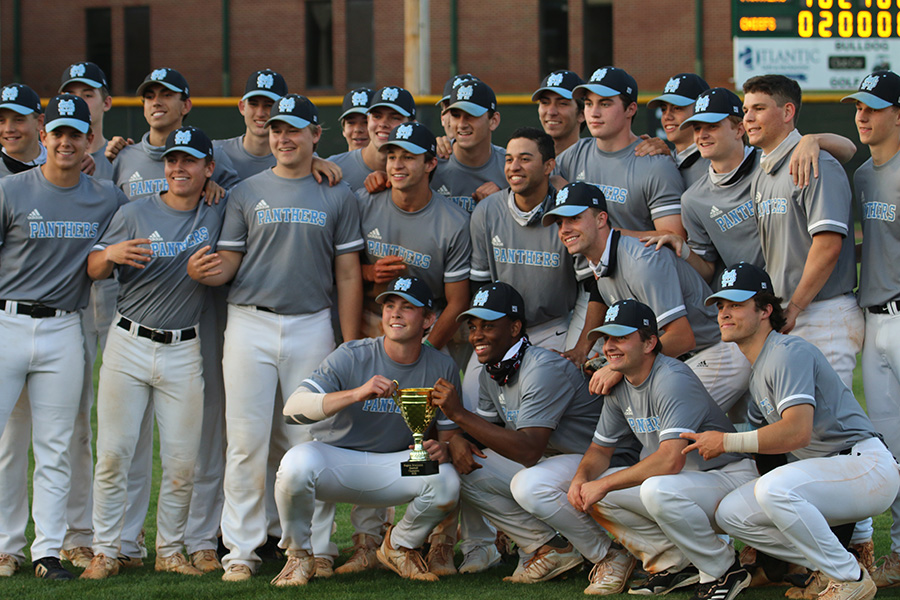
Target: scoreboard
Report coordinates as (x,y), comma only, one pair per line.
(823,44)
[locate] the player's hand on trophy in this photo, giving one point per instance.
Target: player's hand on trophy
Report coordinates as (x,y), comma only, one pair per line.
(446,398)
(377,387)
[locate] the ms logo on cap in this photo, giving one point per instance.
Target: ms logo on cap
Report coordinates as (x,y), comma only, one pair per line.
(869,83)
(183,137)
(286,105)
(561,196)
(359,99)
(76,71)
(404,131)
(158,74)
(390,94)
(10,93)
(464,92)
(66,108)
(265,80)
(554,80)
(672,85)
(702,103)
(599,74)
(401,285)
(459,80)
(480,298)
(729,278)
(611,314)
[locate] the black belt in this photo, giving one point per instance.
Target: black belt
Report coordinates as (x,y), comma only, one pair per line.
(158,335)
(266,309)
(35,311)
(892,308)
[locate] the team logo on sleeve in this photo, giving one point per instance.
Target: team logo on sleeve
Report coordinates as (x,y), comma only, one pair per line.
(869,83)
(76,71)
(464,92)
(286,105)
(554,80)
(702,104)
(728,278)
(158,74)
(403,284)
(561,196)
(404,131)
(10,93)
(480,298)
(672,85)
(182,138)
(611,314)
(390,94)
(599,74)
(66,108)
(360,99)
(265,81)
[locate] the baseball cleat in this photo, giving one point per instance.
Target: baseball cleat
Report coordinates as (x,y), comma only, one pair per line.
(659,584)
(176,563)
(8,565)
(864,589)
(130,562)
(101,567)
(610,575)
(324,567)
(299,569)
(864,553)
(79,557)
(237,572)
(440,556)
(49,567)
(206,561)
(735,579)
(887,572)
(405,562)
(815,585)
(548,562)
(363,558)
(480,558)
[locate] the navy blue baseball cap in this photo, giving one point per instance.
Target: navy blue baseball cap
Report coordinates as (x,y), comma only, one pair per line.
(67,110)
(681,90)
(356,102)
(412,137)
(267,83)
(168,78)
(625,317)
(714,105)
(452,83)
(394,97)
(20,98)
(473,97)
(494,301)
(609,81)
(411,289)
(877,90)
(741,282)
(573,200)
(190,140)
(84,72)
(295,110)
(561,82)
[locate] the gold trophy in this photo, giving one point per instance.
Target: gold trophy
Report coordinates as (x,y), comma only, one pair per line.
(418,412)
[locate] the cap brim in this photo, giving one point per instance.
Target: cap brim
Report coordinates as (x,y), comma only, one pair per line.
(562,211)
(567,94)
(18,108)
(66,122)
(612,329)
(187,150)
(442,100)
(469,107)
(671,99)
(708,117)
(408,146)
(870,100)
(91,82)
(600,90)
(146,84)
(411,299)
(396,107)
(264,93)
(356,110)
(730,295)
(290,120)
(481,313)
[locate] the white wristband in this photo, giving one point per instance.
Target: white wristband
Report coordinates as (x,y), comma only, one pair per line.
(685,251)
(747,441)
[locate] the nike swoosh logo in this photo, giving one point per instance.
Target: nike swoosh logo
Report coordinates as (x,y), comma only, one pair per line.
(563,332)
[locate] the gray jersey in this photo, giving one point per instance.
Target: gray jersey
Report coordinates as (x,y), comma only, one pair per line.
(46,234)
(527,256)
(139,170)
(719,217)
(458,181)
(374,425)
(290,231)
(878,190)
(788,217)
(790,371)
(243,163)
(354,168)
(662,281)
(637,189)
(671,401)
(161,295)
(102,167)
(691,165)
(433,242)
(549,391)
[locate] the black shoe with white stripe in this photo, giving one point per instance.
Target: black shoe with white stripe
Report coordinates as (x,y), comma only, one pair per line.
(658,584)
(726,587)
(49,567)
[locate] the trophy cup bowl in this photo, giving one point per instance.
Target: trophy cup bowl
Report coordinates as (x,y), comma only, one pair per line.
(418,413)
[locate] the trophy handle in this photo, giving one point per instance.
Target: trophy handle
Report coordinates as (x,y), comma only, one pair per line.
(396,393)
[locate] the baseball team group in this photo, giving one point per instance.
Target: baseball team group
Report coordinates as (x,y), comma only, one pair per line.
(640,351)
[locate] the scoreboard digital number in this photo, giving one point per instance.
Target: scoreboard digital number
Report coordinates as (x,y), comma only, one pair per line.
(816,19)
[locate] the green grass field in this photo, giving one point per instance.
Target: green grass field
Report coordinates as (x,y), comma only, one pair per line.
(144,583)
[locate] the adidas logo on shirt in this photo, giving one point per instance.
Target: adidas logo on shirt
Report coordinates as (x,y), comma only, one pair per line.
(135,177)
(261,205)
(374,234)
(496,241)
(580,176)
(702,363)
(155,237)
(628,412)
(444,191)
(34,215)
(714,212)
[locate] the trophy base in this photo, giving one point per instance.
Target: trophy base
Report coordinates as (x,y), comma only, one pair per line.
(418,468)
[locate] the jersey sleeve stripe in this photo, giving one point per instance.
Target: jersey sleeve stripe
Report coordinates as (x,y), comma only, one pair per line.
(310,382)
(357,243)
(487,414)
(783,401)
(98,247)
(231,244)
(668,209)
(672,430)
(458,273)
(827,224)
(662,317)
(481,275)
(603,440)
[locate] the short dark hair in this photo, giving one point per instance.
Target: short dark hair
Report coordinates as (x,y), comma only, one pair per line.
(782,89)
(776,319)
(542,139)
(645,335)
(430,156)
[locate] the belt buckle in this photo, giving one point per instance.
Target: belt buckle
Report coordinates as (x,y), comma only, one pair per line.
(161,337)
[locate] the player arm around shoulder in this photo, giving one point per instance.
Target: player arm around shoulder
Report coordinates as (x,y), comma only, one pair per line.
(132,253)
(679,245)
